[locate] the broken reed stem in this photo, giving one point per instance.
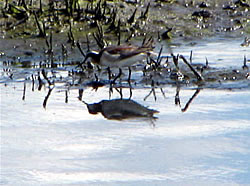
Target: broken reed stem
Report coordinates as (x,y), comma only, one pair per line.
(87,38)
(144,40)
(41,31)
(119,32)
(80,49)
(198,76)
(175,60)
(159,56)
(6,4)
(41,6)
(245,63)
(50,43)
(145,14)
(132,18)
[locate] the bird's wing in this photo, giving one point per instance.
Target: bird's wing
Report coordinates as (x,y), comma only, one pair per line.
(125,51)
(129,54)
(120,49)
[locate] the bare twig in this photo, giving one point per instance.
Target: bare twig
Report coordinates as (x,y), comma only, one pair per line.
(79,47)
(198,76)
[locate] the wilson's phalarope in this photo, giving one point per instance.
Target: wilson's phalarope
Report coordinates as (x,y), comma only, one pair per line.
(120,56)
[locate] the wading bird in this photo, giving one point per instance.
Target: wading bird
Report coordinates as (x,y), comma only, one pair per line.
(120,56)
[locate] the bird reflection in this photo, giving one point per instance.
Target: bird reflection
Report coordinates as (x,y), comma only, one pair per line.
(120,109)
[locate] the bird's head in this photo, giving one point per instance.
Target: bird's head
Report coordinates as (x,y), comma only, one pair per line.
(95,57)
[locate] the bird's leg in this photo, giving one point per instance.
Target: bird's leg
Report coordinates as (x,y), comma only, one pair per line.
(119,75)
(130,91)
(109,73)
(129,74)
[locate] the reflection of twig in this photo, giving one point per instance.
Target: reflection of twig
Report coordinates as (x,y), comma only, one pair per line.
(80,94)
(118,76)
(47,97)
(152,121)
(120,92)
(163,93)
(177,97)
(110,90)
(130,91)
(129,75)
(152,91)
(24,91)
(33,82)
(40,82)
(190,100)
(46,78)
(109,73)
(66,96)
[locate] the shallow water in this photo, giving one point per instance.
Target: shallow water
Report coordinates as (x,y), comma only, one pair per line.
(221,52)
(52,139)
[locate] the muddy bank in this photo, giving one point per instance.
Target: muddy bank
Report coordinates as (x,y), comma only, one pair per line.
(125,19)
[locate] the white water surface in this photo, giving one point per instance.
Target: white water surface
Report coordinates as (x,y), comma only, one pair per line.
(64,144)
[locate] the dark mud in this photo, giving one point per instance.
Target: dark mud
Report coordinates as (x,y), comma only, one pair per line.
(182,18)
